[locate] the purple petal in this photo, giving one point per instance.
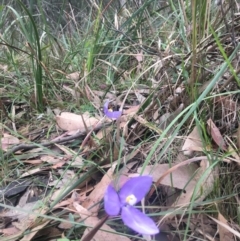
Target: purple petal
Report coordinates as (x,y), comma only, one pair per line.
(111,202)
(138,221)
(105,107)
(137,187)
(111,114)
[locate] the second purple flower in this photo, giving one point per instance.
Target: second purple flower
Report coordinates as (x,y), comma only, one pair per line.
(110,113)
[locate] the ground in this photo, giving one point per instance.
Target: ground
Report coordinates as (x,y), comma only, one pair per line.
(94,94)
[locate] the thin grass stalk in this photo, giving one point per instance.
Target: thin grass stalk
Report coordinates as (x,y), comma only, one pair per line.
(193,76)
(233,72)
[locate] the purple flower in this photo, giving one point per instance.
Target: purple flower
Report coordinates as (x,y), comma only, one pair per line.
(110,113)
(132,192)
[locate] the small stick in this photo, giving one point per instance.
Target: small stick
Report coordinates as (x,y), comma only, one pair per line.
(25,147)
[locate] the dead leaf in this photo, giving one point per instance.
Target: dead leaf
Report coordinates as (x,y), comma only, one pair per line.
(181,178)
(93,200)
(74,76)
(66,225)
(216,135)
(59,164)
(23,223)
(139,56)
(26,216)
(67,177)
(220,223)
(4,68)
(93,221)
(7,141)
(140,97)
(34,162)
(35,230)
(102,133)
(20,212)
(31,172)
(70,121)
(206,175)
(192,143)
(49,233)
(227,108)
(10,231)
(132,110)
(224,233)
(50,159)
(184,177)
(24,198)
(76,160)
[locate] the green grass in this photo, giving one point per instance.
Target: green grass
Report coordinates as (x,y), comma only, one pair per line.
(184,45)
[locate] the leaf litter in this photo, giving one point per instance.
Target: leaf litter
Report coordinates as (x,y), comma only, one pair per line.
(190,177)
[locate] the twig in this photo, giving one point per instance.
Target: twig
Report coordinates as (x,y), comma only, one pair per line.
(25,147)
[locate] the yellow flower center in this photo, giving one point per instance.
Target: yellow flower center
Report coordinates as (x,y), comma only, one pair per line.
(131,199)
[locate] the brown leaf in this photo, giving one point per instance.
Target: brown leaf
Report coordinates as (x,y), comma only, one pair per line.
(98,193)
(192,143)
(50,233)
(59,164)
(73,76)
(132,110)
(7,141)
(10,231)
(65,225)
(67,177)
(20,212)
(31,172)
(4,68)
(35,230)
(70,121)
(76,160)
(216,135)
(139,96)
(224,233)
(236,233)
(23,223)
(34,162)
(93,221)
(184,177)
(50,159)
(178,179)
(139,56)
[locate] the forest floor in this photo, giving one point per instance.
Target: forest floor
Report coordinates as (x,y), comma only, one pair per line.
(96,95)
